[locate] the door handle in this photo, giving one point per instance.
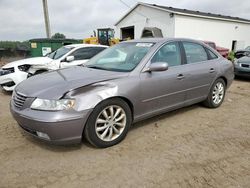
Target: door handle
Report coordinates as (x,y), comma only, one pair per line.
(211,70)
(180,77)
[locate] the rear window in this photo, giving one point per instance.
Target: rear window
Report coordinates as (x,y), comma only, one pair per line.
(86,52)
(194,52)
(212,55)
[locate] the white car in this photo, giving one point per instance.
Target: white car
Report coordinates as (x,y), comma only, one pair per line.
(75,54)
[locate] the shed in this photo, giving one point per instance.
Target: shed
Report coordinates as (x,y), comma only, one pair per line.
(227,31)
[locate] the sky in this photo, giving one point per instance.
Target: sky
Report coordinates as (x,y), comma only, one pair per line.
(23,19)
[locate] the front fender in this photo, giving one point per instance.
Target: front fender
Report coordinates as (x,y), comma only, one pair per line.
(89,96)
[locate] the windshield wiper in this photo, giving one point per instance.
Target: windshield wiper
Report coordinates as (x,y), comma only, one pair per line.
(96,67)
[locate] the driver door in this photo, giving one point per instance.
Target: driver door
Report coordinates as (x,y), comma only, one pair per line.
(164,90)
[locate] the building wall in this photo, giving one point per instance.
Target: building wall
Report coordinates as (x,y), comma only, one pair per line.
(156,18)
(221,32)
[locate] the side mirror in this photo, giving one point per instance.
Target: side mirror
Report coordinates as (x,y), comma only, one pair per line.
(157,67)
(70,58)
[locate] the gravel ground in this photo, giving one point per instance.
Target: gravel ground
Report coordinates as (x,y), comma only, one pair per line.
(190,147)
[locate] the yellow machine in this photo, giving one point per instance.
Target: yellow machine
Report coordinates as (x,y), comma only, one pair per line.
(105,36)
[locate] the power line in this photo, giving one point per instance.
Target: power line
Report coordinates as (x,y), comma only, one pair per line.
(127,5)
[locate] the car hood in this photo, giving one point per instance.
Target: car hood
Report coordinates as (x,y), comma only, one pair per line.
(244,59)
(55,84)
(29,61)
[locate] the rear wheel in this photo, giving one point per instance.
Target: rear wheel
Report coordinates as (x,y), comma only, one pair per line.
(216,94)
(109,123)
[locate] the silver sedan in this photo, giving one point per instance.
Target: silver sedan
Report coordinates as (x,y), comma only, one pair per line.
(126,83)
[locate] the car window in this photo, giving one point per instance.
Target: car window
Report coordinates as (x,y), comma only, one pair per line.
(86,53)
(194,52)
(60,52)
(212,54)
(169,53)
(248,48)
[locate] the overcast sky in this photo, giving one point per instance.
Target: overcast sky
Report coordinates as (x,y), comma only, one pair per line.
(23,19)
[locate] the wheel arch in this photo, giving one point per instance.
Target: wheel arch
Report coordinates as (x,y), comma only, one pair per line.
(224,79)
(125,99)
(130,104)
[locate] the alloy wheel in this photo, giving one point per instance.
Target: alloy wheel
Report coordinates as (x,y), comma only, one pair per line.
(218,93)
(110,123)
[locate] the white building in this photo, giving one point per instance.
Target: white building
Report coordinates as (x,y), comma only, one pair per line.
(225,31)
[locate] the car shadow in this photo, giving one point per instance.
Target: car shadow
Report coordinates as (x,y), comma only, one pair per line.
(52,147)
(154,120)
(5,92)
(84,144)
(241,78)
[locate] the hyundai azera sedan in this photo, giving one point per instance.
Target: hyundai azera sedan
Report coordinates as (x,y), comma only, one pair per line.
(126,83)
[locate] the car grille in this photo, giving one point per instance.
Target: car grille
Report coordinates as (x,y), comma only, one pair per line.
(19,100)
(245,65)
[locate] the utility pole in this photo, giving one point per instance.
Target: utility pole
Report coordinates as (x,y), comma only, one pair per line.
(46,18)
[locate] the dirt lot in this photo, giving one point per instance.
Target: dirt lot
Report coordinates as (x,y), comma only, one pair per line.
(191,147)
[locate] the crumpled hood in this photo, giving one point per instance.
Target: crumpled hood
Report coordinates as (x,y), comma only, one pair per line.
(29,61)
(55,84)
(244,59)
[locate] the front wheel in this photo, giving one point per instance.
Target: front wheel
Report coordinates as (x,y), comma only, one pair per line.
(216,94)
(109,123)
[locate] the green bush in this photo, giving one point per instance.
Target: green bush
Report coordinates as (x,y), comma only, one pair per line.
(13,44)
(231,56)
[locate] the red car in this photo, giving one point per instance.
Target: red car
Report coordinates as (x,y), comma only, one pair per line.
(223,51)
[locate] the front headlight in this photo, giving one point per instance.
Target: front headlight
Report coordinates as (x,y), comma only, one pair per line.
(52,105)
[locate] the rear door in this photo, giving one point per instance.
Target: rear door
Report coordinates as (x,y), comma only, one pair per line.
(201,69)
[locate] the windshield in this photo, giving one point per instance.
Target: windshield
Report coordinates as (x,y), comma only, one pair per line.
(60,52)
(123,57)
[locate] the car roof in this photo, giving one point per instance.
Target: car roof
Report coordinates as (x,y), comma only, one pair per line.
(85,45)
(153,40)
(162,40)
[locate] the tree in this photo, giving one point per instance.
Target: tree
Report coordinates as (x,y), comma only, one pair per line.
(58,36)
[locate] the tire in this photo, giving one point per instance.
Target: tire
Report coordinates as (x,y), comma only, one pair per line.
(214,93)
(99,122)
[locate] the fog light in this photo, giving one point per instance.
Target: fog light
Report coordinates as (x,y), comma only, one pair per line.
(42,135)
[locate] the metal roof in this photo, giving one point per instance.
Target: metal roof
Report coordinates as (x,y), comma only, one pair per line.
(188,13)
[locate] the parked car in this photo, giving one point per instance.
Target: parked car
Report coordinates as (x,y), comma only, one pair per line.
(223,51)
(75,54)
(240,53)
(242,66)
(126,83)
